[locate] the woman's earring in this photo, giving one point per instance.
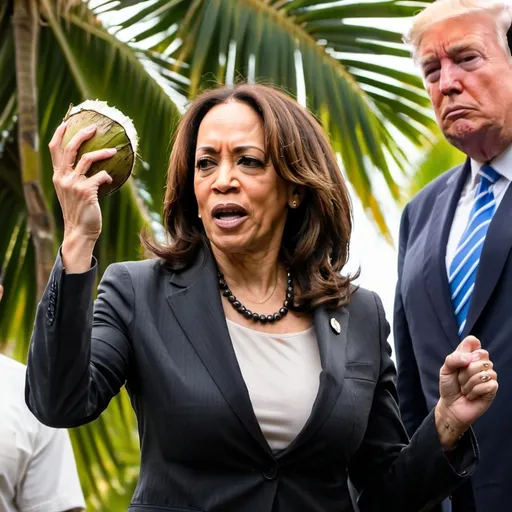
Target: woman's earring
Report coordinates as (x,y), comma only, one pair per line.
(199,215)
(294,204)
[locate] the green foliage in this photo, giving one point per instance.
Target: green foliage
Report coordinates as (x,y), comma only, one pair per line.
(314,50)
(107,449)
(438,158)
(146,58)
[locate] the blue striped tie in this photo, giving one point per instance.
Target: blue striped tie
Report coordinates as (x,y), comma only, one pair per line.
(462,272)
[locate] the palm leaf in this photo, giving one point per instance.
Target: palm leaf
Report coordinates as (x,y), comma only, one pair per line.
(70,49)
(159,49)
(8,81)
(436,159)
(316,47)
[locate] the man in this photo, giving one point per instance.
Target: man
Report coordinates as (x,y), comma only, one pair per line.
(37,467)
(455,259)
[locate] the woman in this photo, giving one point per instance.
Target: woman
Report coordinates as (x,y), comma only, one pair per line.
(261,378)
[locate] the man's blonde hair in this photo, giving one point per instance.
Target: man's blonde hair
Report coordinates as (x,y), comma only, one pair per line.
(441,10)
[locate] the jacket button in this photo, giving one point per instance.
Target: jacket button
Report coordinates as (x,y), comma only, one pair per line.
(270,473)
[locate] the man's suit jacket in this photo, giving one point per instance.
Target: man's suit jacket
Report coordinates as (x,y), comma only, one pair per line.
(202,449)
(425,328)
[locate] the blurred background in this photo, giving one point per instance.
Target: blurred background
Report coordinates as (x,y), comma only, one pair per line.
(344,60)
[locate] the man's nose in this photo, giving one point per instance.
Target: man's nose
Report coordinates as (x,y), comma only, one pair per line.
(449,80)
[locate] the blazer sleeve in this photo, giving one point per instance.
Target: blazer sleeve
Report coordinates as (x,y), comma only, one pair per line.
(389,472)
(80,353)
(412,399)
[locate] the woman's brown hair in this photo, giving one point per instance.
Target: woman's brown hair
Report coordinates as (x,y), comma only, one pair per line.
(316,237)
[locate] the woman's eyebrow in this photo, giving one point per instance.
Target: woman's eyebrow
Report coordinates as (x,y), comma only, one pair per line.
(206,149)
(241,149)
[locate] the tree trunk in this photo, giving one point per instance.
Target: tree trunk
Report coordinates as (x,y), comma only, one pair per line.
(26,24)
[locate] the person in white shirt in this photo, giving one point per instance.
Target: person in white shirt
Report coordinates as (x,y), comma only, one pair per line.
(37,467)
(455,261)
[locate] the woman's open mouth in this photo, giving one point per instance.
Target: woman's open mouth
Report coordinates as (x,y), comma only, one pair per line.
(229,216)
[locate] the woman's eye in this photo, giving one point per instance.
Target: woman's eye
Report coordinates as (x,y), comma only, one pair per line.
(248,161)
(204,163)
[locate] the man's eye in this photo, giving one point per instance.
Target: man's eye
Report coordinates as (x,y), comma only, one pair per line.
(432,74)
(248,161)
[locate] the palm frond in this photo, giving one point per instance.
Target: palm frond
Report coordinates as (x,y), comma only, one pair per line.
(7,72)
(436,159)
(69,72)
(326,55)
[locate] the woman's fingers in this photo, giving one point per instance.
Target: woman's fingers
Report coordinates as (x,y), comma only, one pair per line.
(86,189)
(76,186)
(487,389)
(462,357)
(94,156)
(99,179)
(455,361)
(469,344)
(55,144)
(481,362)
(64,158)
(78,195)
(478,379)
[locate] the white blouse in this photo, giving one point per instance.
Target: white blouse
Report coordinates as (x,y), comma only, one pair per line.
(281,372)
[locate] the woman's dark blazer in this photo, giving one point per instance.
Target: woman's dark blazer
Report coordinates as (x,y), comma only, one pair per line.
(164,335)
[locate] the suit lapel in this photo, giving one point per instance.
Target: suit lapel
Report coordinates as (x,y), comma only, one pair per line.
(436,278)
(333,356)
(496,249)
(194,297)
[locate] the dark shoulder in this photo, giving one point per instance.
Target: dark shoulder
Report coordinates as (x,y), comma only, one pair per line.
(157,269)
(365,305)
(140,280)
(362,298)
(148,266)
(367,327)
(142,270)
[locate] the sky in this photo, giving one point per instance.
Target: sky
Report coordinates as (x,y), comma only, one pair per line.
(375,257)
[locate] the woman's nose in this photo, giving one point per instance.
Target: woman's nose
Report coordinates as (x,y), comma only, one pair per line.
(225,179)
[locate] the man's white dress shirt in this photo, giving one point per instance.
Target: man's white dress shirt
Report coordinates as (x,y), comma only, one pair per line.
(37,465)
(502,164)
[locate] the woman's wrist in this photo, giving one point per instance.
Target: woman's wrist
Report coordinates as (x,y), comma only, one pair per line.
(448,429)
(77,252)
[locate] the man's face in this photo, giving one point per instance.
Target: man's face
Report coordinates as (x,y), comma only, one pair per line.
(468,77)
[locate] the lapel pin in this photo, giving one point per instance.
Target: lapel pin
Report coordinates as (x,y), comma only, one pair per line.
(336,327)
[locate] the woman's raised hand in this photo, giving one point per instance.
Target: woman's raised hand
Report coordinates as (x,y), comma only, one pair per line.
(467,385)
(78,196)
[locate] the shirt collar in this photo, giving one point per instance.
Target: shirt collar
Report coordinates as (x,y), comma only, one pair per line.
(502,164)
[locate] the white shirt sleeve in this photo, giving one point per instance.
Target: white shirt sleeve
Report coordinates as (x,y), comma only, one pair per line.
(50,483)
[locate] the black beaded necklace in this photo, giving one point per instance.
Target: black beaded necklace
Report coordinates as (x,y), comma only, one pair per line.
(255,316)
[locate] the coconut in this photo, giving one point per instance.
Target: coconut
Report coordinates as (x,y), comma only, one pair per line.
(113,130)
